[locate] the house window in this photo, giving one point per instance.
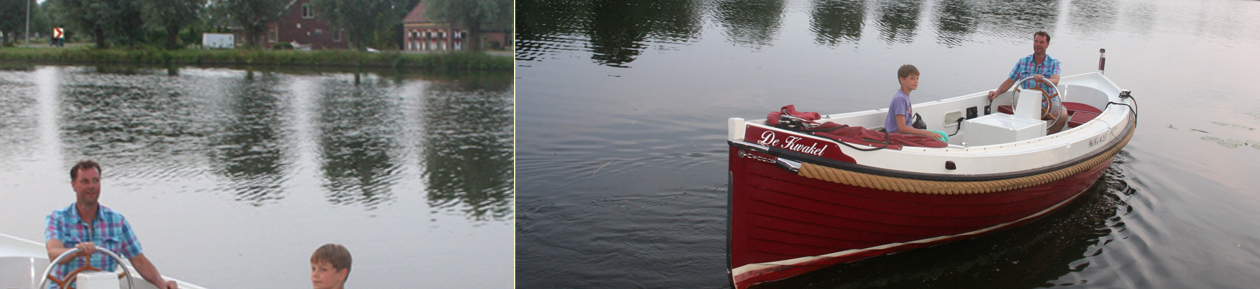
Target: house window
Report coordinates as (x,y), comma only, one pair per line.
(308,12)
(337,36)
(272,35)
(319,32)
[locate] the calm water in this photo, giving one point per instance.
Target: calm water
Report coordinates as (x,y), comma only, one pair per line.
(622,107)
(231,178)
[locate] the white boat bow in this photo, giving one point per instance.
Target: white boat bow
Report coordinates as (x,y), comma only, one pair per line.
(22,262)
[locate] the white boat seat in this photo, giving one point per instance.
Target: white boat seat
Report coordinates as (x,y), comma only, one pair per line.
(1028,104)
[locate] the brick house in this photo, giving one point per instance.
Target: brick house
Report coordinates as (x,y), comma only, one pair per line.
(301,26)
(422,34)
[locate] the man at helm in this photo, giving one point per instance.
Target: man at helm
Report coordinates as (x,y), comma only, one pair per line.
(86,224)
(1040,67)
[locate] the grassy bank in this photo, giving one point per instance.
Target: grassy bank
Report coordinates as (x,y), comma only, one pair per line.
(259,58)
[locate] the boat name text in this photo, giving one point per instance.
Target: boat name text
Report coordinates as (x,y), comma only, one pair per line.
(768,138)
(1097,140)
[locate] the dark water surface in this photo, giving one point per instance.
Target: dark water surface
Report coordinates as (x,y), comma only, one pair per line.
(622,109)
(231,178)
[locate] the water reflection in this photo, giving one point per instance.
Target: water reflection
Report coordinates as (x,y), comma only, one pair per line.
(248,134)
(132,123)
(898,19)
(248,152)
(837,21)
(543,25)
(751,23)
(955,20)
(1091,17)
(358,141)
(19,108)
(1018,19)
(468,147)
(619,30)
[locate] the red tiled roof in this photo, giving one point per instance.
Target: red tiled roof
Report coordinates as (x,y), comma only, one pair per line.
(416,15)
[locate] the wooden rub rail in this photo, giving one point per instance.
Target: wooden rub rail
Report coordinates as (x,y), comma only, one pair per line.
(953,188)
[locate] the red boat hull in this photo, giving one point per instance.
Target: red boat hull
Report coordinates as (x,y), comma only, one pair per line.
(783,224)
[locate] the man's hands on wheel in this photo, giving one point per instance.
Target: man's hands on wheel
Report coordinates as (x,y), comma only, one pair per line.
(86,248)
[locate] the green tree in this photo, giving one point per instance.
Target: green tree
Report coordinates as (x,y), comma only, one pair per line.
(39,20)
(253,16)
(50,15)
(473,15)
(103,18)
(170,16)
(13,19)
(364,20)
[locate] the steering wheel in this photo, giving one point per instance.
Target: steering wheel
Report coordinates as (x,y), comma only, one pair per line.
(1045,96)
(87,266)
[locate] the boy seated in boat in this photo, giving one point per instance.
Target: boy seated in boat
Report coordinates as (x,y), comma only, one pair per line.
(330,266)
(899,111)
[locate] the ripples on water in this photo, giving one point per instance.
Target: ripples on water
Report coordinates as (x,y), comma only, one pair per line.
(468,151)
(243,127)
(19,131)
(618,32)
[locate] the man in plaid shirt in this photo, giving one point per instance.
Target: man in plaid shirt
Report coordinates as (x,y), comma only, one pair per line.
(1040,66)
(86,224)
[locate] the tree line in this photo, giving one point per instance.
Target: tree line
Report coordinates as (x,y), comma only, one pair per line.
(175,24)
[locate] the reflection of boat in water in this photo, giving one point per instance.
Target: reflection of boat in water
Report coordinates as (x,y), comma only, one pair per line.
(23,261)
(800,201)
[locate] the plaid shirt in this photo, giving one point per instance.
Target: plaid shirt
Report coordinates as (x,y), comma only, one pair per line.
(1027,67)
(110,230)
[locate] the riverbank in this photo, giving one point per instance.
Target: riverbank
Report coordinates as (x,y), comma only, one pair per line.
(455,61)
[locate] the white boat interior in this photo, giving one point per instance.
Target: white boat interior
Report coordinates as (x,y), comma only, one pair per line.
(22,263)
(997,142)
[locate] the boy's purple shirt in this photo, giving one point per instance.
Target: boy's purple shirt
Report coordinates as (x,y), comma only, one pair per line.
(900,105)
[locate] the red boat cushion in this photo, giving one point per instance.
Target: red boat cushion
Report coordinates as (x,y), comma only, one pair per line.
(1076,106)
(1071,107)
(851,134)
(1006,109)
(1080,117)
(861,135)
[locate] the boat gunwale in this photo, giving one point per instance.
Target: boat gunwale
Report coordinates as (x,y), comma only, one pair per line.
(31,246)
(836,164)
